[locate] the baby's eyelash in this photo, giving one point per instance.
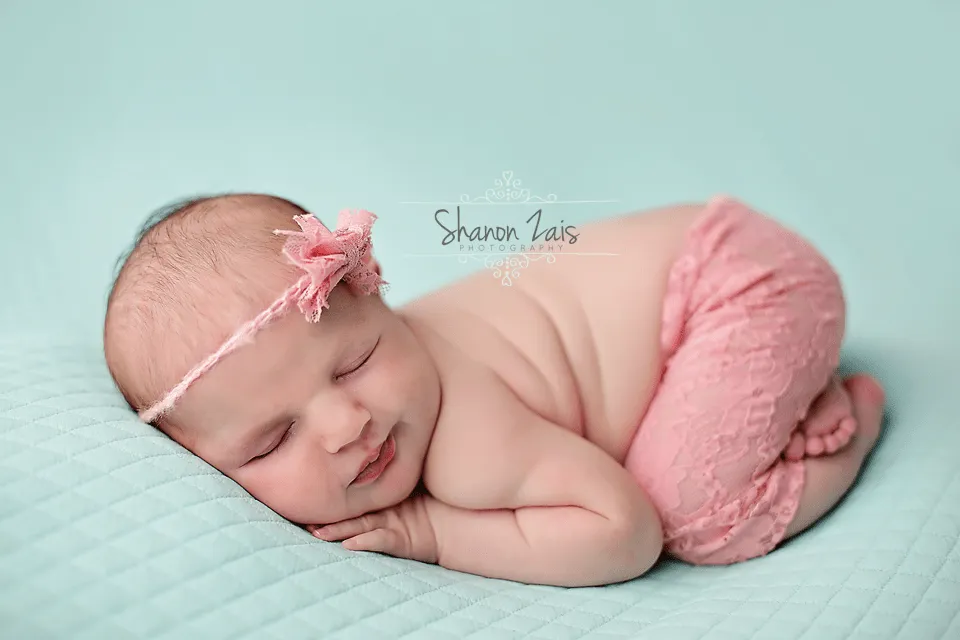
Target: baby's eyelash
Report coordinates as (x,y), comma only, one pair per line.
(359,366)
(276,446)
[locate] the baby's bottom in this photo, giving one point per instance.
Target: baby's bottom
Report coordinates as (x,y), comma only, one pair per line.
(752,325)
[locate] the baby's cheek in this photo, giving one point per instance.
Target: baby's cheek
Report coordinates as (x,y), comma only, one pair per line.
(296,490)
(265,486)
(390,384)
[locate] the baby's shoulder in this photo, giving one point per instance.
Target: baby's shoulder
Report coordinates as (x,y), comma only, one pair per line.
(511,333)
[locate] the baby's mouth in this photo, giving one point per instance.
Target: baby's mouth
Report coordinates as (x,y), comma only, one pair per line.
(374,466)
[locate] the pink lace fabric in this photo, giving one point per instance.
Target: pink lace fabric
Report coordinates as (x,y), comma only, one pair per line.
(326,258)
(752,326)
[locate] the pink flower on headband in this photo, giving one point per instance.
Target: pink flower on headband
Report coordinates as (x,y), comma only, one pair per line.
(327,257)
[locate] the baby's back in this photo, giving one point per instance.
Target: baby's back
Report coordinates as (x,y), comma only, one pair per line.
(575,340)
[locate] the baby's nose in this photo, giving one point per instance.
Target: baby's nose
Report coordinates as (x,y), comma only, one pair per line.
(337,419)
(341,425)
(337,436)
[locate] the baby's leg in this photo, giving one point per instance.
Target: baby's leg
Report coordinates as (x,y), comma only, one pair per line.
(753,322)
(830,476)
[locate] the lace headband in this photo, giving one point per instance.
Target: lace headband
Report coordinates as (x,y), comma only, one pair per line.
(326,258)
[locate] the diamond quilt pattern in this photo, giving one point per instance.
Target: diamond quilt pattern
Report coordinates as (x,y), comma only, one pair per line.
(110,530)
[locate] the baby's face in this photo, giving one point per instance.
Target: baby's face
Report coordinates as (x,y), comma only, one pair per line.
(296,416)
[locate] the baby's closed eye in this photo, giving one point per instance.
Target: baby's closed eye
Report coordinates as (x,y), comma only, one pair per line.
(359,363)
(276,444)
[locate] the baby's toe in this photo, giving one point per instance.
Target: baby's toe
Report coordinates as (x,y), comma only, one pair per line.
(827,411)
(796,448)
(831,443)
(815,446)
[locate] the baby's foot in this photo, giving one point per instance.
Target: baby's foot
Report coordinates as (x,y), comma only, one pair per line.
(828,478)
(828,427)
(866,393)
(830,424)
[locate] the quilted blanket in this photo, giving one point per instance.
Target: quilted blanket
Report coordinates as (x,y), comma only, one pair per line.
(110,530)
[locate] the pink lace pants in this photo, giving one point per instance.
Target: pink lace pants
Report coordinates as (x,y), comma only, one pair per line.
(752,325)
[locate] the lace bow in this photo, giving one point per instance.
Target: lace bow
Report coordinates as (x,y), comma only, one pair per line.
(327,257)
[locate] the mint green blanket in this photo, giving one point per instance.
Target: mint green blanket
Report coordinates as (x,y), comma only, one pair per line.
(110,530)
(838,118)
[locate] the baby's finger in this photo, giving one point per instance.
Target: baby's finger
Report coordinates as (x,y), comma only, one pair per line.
(379,540)
(347,528)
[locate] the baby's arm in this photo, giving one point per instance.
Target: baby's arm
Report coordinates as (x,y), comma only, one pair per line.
(572,516)
(533,503)
(514,496)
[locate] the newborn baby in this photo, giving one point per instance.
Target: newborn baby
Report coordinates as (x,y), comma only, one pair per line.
(680,396)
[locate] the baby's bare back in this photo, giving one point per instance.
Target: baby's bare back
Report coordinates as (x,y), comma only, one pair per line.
(575,342)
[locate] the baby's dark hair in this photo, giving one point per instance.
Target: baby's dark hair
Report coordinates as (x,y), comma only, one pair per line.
(195,269)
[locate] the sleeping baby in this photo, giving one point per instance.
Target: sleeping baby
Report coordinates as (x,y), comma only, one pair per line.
(678,397)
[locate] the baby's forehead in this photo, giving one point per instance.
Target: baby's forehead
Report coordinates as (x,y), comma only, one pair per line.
(229,238)
(346,320)
(196,273)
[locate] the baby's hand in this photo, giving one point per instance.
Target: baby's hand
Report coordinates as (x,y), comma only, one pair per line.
(402,531)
